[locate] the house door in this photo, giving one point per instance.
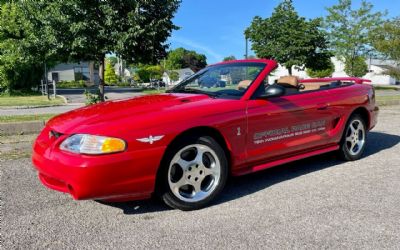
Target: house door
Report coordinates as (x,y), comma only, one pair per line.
(55,77)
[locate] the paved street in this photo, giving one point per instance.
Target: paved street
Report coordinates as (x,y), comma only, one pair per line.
(316,203)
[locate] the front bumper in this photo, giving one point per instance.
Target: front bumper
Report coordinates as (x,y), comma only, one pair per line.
(122,176)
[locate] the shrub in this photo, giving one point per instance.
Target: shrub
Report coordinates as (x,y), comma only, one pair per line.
(92,98)
(71,84)
(356,67)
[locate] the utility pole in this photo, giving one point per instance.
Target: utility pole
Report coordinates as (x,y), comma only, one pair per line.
(246,55)
(46,81)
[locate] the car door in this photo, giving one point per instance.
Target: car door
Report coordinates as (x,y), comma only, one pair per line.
(280,127)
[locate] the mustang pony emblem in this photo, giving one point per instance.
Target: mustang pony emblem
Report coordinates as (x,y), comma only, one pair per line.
(151,139)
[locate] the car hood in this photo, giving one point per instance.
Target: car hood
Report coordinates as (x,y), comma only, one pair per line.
(138,113)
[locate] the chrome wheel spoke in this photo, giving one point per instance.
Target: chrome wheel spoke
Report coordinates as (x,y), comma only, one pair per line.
(352,129)
(199,157)
(211,171)
(197,187)
(359,144)
(352,147)
(177,185)
(183,163)
(360,127)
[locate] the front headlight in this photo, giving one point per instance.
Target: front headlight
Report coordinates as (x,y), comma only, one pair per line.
(92,144)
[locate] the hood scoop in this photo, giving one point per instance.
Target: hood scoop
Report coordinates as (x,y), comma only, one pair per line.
(185,100)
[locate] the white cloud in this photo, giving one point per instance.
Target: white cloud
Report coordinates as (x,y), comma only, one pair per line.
(211,54)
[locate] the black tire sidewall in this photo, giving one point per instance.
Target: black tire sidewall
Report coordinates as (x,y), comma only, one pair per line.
(165,192)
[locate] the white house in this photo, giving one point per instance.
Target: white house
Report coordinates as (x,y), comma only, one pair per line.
(375,74)
(183,74)
(74,72)
(120,70)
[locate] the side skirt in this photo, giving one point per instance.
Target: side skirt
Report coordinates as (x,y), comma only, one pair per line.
(285,160)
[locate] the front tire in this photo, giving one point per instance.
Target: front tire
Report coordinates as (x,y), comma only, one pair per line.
(354,139)
(195,171)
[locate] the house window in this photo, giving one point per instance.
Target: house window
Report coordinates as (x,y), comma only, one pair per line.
(81,73)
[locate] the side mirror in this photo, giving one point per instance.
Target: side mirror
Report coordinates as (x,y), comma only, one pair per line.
(274,90)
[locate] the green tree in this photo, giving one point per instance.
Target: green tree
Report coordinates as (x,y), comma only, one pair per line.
(22,51)
(349,30)
(386,40)
(174,76)
(357,67)
(182,58)
(88,30)
(112,60)
(288,38)
(321,73)
(150,72)
(109,74)
(229,58)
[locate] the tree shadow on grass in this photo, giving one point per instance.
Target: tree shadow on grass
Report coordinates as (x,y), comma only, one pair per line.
(238,187)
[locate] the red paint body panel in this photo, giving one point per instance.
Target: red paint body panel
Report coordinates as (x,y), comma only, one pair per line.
(131,174)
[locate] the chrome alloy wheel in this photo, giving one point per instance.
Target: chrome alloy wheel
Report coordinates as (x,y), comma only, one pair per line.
(355,137)
(194,173)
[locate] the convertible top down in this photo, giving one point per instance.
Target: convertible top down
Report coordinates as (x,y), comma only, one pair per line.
(227,119)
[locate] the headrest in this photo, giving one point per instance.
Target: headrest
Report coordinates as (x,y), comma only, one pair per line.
(242,85)
(292,81)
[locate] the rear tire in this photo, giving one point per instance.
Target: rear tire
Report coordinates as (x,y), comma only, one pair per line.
(354,139)
(194,172)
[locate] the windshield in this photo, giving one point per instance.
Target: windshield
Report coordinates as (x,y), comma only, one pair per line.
(226,80)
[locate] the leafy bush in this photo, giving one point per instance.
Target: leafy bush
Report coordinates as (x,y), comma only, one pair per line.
(321,73)
(71,84)
(122,84)
(92,98)
(356,67)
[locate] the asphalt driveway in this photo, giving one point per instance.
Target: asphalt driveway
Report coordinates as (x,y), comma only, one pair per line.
(315,203)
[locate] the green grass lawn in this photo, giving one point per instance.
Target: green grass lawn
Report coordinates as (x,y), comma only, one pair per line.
(32,100)
(388,98)
(153,91)
(25,118)
(379,87)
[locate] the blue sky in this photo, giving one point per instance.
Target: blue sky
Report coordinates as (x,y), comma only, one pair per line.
(215,27)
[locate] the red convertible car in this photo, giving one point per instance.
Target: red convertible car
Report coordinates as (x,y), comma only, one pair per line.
(226,120)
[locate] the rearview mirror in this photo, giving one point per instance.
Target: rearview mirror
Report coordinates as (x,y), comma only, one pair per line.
(274,90)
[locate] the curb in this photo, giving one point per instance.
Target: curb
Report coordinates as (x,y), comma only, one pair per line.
(64,98)
(19,128)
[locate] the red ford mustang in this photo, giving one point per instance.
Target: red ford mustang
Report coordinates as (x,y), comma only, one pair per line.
(182,145)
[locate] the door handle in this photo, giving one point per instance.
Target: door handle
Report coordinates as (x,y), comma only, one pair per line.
(322,106)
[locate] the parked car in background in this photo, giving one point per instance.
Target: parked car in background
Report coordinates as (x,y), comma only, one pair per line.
(157,84)
(183,145)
